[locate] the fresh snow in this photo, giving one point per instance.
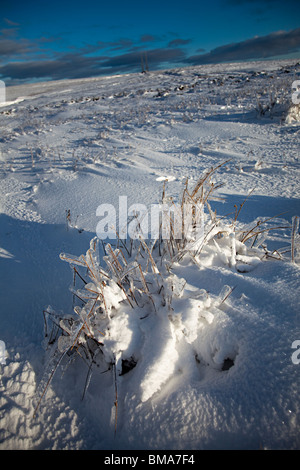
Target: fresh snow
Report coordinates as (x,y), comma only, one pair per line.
(218,367)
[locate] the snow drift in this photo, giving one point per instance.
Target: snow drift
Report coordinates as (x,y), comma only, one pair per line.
(160,344)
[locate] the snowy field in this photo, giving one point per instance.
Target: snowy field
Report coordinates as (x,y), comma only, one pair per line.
(209,357)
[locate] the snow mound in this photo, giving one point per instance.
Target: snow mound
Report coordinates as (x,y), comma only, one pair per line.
(138,316)
(185,343)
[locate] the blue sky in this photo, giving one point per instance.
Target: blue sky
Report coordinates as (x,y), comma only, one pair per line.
(42,40)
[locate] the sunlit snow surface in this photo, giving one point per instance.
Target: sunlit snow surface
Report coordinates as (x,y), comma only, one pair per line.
(73,145)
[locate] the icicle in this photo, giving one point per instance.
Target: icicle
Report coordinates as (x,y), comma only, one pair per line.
(233,250)
(224,294)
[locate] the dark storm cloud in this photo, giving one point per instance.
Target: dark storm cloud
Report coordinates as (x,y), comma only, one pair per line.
(179,42)
(68,66)
(10,22)
(9,45)
(24,60)
(148,38)
(263,47)
(154,57)
(123,43)
(14,47)
(78,66)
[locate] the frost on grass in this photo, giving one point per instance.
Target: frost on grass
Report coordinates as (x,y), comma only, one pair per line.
(135,315)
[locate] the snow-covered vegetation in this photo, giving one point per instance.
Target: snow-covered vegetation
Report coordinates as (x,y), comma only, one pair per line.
(182,342)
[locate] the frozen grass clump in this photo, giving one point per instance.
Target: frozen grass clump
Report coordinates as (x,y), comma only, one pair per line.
(134,315)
